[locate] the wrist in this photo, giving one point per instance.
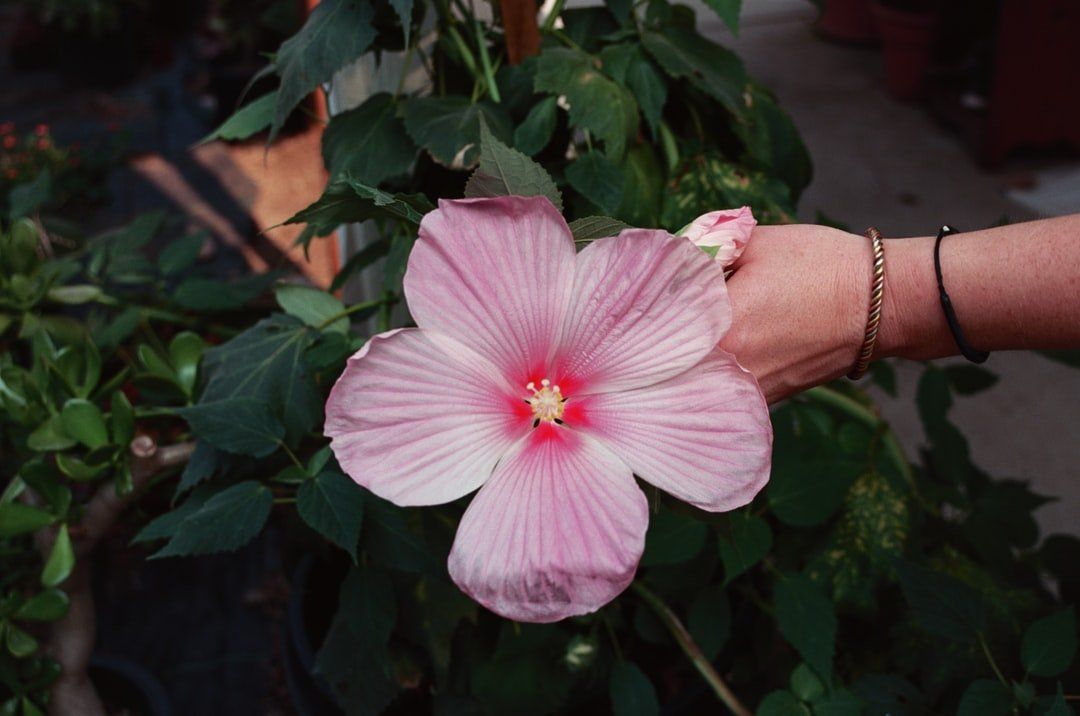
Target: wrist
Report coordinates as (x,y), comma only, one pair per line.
(912,323)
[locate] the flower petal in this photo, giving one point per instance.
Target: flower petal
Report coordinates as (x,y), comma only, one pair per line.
(703,436)
(647,306)
(557,532)
(494,274)
(421,420)
(727,231)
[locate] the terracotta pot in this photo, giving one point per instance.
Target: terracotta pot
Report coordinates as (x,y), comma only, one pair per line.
(907,38)
(847,21)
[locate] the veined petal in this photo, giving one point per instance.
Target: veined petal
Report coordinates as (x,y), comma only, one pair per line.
(495,275)
(419,419)
(704,436)
(557,531)
(646,306)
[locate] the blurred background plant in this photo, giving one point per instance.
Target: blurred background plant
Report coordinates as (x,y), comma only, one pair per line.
(861,581)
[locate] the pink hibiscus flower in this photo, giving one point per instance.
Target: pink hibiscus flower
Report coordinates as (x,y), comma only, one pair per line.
(548,379)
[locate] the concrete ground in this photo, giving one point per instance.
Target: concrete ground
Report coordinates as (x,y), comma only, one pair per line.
(881,163)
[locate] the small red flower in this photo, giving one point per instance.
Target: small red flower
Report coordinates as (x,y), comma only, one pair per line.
(41,130)
(7,128)
(10,141)
(43,144)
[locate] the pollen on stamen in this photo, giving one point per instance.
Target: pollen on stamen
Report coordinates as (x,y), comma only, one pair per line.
(547,403)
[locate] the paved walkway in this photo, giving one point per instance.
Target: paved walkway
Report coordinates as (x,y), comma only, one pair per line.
(887,164)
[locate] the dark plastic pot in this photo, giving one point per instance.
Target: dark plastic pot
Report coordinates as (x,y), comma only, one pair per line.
(126,687)
(847,21)
(311,694)
(907,37)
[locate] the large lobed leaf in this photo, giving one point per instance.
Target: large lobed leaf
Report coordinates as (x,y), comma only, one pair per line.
(336,33)
(368,143)
(265,364)
(504,171)
(449,127)
(597,103)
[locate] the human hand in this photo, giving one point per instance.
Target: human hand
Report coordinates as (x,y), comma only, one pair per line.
(799,296)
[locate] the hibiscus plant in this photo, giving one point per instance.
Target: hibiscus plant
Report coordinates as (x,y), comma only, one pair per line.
(536,483)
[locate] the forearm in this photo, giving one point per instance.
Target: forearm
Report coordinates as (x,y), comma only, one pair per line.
(1013,287)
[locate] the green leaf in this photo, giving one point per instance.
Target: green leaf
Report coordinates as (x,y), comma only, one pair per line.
(781,703)
(121,419)
(389,540)
(535,132)
(746,543)
(266,364)
(683,53)
(49,436)
(312,306)
(807,492)
(185,352)
(504,171)
(807,620)
(632,694)
(346,201)
(336,33)
(728,10)
(75,294)
(181,254)
(367,611)
(403,8)
(61,560)
(672,538)
(83,421)
(167,525)
(985,697)
(805,684)
(204,461)
(205,294)
(710,620)
(942,605)
(368,143)
(247,121)
(772,141)
(591,228)
(840,702)
(449,127)
(19,519)
(970,379)
(28,197)
(598,179)
(708,181)
(597,103)
(1049,644)
(1059,707)
(333,506)
(225,522)
(643,187)
(19,643)
(627,64)
(239,425)
(933,399)
(47,605)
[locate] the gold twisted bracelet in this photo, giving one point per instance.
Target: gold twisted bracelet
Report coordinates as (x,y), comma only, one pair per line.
(877,291)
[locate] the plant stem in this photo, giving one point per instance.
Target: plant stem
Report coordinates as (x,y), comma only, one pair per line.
(549,21)
(485,61)
(993,664)
(691,649)
(463,50)
(349,311)
(292,456)
(871,419)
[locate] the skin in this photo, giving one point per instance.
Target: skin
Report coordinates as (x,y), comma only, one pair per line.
(800,295)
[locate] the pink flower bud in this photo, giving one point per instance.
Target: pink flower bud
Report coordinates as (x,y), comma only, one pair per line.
(727,230)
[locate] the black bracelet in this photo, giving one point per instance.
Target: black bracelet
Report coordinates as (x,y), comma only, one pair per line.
(972,354)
